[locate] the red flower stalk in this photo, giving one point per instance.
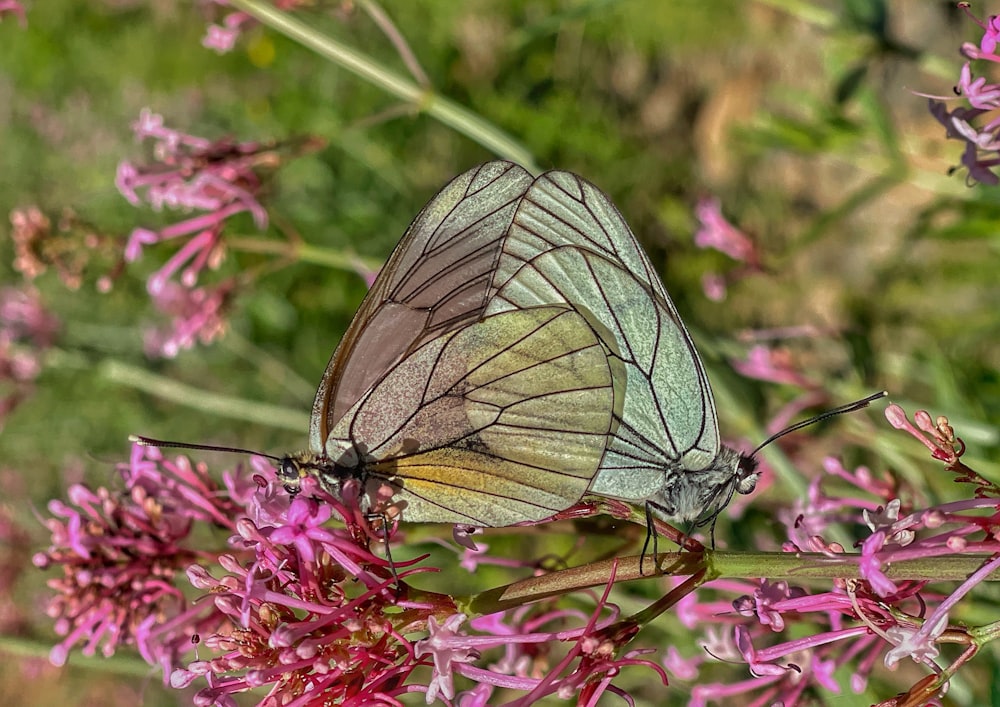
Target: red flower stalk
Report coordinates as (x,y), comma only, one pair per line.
(121,554)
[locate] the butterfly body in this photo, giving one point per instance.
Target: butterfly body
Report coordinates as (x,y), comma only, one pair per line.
(518,351)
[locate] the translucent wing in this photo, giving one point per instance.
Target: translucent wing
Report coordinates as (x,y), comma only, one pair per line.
(568,243)
(502,421)
(436,281)
(518,350)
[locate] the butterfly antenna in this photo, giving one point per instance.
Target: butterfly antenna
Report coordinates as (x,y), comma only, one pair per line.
(150,442)
(849,407)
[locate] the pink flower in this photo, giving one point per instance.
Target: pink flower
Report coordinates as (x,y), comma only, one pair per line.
(446,645)
(991,31)
(774,365)
(196,315)
(16,9)
(977,126)
(220,39)
(27,329)
(121,555)
(221,179)
(919,644)
(716,232)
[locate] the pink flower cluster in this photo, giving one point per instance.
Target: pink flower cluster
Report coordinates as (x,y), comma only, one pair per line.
(290,603)
(974,124)
(855,624)
(219,179)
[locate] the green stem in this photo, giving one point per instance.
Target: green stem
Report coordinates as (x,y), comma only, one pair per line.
(806,565)
(117,664)
(716,564)
(203,400)
(446,111)
(303,252)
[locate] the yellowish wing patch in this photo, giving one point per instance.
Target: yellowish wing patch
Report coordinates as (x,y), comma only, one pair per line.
(502,421)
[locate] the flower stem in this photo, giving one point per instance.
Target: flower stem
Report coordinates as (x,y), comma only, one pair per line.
(304,252)
(424,100)
(206,401)
(716,564)
(121,664)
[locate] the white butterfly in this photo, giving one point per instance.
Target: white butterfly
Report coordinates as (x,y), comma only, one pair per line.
(568,243)
(516,352)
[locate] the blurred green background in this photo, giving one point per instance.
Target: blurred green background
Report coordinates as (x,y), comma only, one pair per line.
(800,116)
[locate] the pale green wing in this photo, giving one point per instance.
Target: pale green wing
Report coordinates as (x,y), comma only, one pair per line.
(568,243)
(500,422)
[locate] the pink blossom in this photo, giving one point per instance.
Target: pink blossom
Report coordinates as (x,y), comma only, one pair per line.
(27,330)
(446,646)
(220,39)
(121,554)
(716,232)
(991,31)
(221,179)
(774,365)
(918,644)
(195,315)
(15,8)
(977,125)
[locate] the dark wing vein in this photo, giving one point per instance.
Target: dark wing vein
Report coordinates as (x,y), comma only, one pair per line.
(436,280)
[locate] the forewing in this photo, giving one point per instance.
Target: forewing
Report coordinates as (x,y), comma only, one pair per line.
(568,243)
(436,281)
(502,421)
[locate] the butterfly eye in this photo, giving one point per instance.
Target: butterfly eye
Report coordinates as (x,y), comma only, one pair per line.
(746,475)
(289,473)
(747,484)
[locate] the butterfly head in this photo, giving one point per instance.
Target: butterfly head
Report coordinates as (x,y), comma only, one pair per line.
(698,497)
(331,475)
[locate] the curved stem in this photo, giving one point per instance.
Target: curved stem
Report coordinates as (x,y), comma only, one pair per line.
(303,252)
(426,101)
(206,401)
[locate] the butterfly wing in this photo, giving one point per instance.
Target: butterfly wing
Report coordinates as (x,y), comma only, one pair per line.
(568,243)
(501,421)
(436,281)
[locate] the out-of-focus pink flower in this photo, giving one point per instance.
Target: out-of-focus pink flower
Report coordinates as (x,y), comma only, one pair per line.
(220,178)
(222,38)
(195,315)
(714,286)
(977,126)
(69,247)
(776,365)
(772,365)
(15,8)
(367,273)
(27,329)
(716,232)
(23,318)
(219,38)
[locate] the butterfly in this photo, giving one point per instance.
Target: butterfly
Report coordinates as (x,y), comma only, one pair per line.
(516,352)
